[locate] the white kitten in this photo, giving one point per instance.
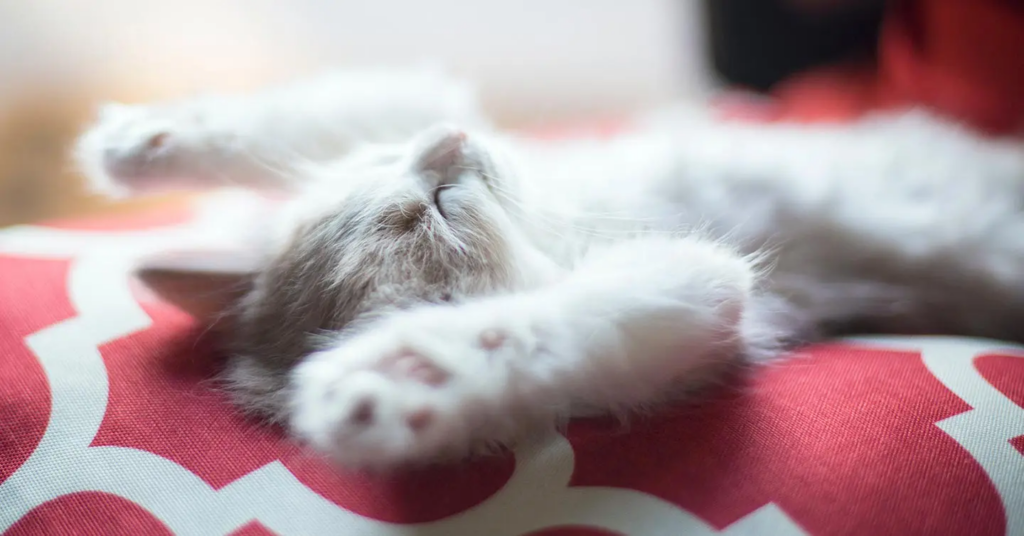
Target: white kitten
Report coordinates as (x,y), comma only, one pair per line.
(436,290)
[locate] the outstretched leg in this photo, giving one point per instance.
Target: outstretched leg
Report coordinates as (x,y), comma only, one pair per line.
(257,139)
(623,330)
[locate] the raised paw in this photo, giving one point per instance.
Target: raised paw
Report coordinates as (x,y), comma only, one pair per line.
(132,149)
(418,389)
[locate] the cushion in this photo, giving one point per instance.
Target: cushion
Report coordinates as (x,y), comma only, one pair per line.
(110,425)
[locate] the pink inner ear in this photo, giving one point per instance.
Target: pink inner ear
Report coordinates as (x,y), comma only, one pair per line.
(440,148)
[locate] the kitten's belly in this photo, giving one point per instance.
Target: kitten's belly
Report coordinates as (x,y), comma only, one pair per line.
(904,187)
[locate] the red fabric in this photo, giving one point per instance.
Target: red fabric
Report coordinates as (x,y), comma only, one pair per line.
(960,58)
(253,529)
(24,393)
(573,531)
(845,439)
(999,371)
(89,514)
(832,464)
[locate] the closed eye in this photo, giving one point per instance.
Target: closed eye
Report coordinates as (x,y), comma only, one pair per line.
(437,199)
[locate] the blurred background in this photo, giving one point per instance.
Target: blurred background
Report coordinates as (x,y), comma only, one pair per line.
(537,62)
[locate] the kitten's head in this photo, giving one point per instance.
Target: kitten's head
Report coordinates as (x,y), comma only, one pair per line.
(432,220)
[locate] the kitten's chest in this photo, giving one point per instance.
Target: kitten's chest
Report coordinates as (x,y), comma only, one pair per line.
(825,191)
(660,193)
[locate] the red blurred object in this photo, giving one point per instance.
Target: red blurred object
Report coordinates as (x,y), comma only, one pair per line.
(960,58)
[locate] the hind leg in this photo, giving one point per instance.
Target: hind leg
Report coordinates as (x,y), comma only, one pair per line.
(914,226)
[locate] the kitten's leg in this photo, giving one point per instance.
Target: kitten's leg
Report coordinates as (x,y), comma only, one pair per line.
(254,139)
(621,331)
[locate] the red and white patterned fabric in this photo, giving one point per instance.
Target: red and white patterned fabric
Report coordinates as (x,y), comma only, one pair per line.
(109,426)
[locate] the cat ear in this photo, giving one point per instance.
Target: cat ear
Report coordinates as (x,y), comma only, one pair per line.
(439,149)
(201,283)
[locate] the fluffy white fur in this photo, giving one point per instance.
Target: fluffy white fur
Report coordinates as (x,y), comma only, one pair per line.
(596,275)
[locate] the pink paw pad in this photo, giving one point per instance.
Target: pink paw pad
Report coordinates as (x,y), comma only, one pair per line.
(409,364)
(157,141)
(419,419)
(492,339)
(363,413)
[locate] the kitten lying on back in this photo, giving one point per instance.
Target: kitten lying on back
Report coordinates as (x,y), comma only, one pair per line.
(433,290)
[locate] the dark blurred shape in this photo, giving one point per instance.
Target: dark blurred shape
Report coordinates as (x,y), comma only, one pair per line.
(757,43)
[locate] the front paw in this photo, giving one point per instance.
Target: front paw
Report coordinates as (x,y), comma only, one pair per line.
(423,386)
(130,148)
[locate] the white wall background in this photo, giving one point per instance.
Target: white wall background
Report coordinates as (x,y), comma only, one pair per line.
(534,59)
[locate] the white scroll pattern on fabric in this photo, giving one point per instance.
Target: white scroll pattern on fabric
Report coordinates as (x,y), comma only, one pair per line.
(537,495)
(986,430)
